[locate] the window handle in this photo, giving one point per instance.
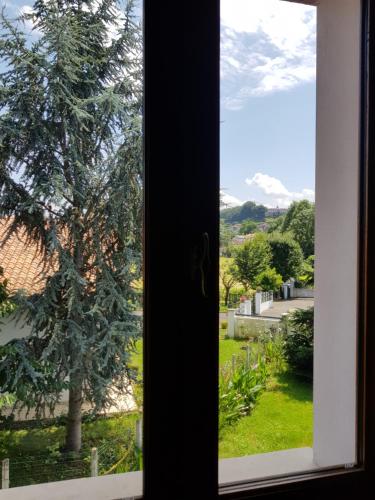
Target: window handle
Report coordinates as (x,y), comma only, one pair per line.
(201,263)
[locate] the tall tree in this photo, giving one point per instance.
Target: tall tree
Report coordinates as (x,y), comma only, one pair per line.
(70,176)
(300,222)
(252,258)
(286,255)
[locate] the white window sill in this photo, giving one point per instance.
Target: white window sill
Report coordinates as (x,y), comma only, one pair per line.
(265,465)
(129,485)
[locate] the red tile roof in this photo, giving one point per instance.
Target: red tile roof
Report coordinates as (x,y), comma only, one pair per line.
(22,263)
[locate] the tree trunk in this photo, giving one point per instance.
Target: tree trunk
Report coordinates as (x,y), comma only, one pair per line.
(226,299)
(73,428)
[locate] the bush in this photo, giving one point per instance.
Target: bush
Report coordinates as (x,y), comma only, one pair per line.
(224,325)
(269,280)
(299,340)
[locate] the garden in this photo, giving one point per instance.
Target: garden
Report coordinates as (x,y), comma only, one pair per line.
(265,405)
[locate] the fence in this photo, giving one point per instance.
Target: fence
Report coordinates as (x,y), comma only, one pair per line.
(109,457)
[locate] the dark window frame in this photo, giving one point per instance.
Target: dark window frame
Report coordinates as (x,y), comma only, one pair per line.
(181,220)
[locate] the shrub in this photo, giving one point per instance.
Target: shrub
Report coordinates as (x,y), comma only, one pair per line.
(269,280)
(224,325)
(299,340)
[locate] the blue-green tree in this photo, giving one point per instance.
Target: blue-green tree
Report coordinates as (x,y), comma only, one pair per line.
(70,176)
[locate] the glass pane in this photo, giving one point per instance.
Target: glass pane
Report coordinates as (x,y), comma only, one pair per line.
(268,102)
(71,198)
(289,236)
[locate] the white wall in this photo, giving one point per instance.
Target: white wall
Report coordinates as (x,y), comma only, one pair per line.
(10,329)
(337,174)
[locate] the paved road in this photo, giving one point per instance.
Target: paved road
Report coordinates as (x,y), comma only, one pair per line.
(280,307)
(283,306)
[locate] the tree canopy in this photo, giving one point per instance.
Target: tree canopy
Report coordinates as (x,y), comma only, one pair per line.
(286,255)
(300,221)
(71,177)
(251,259)
(249,210)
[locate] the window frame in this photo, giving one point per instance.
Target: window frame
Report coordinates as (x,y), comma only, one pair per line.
(182,97)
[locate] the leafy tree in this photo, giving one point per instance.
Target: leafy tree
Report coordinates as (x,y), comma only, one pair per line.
(227,275)
(307,272)
(269,280)
(300,221)
(252,258)
(286,255)
(275,224)
(293,210)
(248,226)
(302,227)
(70,176)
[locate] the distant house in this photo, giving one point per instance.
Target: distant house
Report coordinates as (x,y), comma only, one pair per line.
(276,212)
(241,238)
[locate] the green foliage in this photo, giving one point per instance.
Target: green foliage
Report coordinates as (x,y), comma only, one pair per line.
(248,226)
(307,272)
(248,210)
(275,224)
(71,178)
(299,340)
(300,221)
(251,259)
(7,306)
(286,255)
(226,234)
(239,390)
(269,280)
(227,276)
(281,420)
(272,344)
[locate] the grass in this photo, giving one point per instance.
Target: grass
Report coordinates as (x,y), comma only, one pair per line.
(282,419)
(17,443)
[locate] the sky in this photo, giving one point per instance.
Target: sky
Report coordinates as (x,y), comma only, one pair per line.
(268,53)
(268,73)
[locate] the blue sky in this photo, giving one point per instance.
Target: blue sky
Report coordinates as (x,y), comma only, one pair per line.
(267,100)
(268,52)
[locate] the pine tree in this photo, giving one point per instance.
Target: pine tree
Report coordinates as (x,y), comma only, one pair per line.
(71,177)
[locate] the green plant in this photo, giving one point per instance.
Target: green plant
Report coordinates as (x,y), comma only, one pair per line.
(239,390)
(269,280)
(299,340)
(286,255)
(224,325)
(272,343)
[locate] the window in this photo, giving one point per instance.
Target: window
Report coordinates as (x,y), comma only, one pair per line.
(198,175)
(181,243)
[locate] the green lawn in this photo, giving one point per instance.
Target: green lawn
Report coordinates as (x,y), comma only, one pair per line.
(282,419)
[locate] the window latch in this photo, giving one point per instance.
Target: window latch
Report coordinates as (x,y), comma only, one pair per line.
(201,262)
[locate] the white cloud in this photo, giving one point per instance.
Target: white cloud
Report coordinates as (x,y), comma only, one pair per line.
(229,201)
(272,192)
(266,46)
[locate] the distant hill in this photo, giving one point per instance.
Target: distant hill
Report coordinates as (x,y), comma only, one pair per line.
(249,210)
